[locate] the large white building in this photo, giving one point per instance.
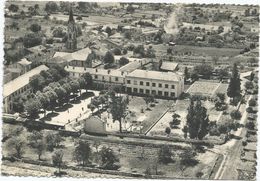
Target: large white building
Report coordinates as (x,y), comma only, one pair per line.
(162,84)
(18,86)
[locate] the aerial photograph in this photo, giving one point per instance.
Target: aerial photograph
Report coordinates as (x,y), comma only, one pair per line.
(130,90)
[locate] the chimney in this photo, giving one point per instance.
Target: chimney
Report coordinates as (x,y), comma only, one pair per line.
(96,70)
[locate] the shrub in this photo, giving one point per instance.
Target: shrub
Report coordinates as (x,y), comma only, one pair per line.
(117,51)
(252,102)
(199,174)
(168,130)
(235,115)
(250,125)
(249,110)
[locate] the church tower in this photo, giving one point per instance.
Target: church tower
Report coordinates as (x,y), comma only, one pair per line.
(71,43)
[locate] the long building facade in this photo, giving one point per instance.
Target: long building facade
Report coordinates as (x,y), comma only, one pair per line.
(137,82)
(18,86)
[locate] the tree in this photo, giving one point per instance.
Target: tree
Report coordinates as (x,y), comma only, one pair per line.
(88,80)
(186,74)
(148,99)
(130,9)
(197,120)
(220,29)
(123,61)
(223,73)
(61,93)
(150,52)
(109,57)
(13,8)
(165,154)
(187,158)
(118,110)
(43,100)
(235,114)
(57,159)
(35,27)
(18,144)
(32,39)
(249,85)
(108,31)
(59,32)
(52,96)
(18,104)
(32,107)
(53,140)
(252,102)
(204,70)
(82,152)
(51,7)
(34,138)
(234,84)
(108,158)
(39,148)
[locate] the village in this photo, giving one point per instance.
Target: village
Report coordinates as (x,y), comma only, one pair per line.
(130,90)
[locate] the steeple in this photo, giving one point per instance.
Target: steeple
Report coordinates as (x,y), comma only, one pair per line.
(71,19)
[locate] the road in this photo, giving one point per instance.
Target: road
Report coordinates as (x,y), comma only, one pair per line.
(232,149)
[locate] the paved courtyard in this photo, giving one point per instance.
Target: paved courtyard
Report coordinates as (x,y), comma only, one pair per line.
(77,110)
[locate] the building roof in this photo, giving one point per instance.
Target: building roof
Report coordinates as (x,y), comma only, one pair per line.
(21,81)
(156,75)
(37,49)
(24,61)
(170,66)
(94,119)
(116,36)
(60,54)
(93,71)
(80,55)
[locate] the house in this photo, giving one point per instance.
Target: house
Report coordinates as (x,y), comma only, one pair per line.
(94,125)
(18,86)
(39,49)
(76,59)
(10,74)
(160,84)
(24,65)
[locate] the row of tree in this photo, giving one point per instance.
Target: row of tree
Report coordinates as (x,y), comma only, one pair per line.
(56,94)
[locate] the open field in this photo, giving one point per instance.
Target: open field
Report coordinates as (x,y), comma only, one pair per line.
(205,51)
(130,159)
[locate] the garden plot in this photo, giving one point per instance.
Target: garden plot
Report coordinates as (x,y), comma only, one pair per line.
(181,109)
(203,88)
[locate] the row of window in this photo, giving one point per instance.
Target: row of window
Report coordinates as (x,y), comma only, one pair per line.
(147,91)
(103,78)
(18,92)
(153,84)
